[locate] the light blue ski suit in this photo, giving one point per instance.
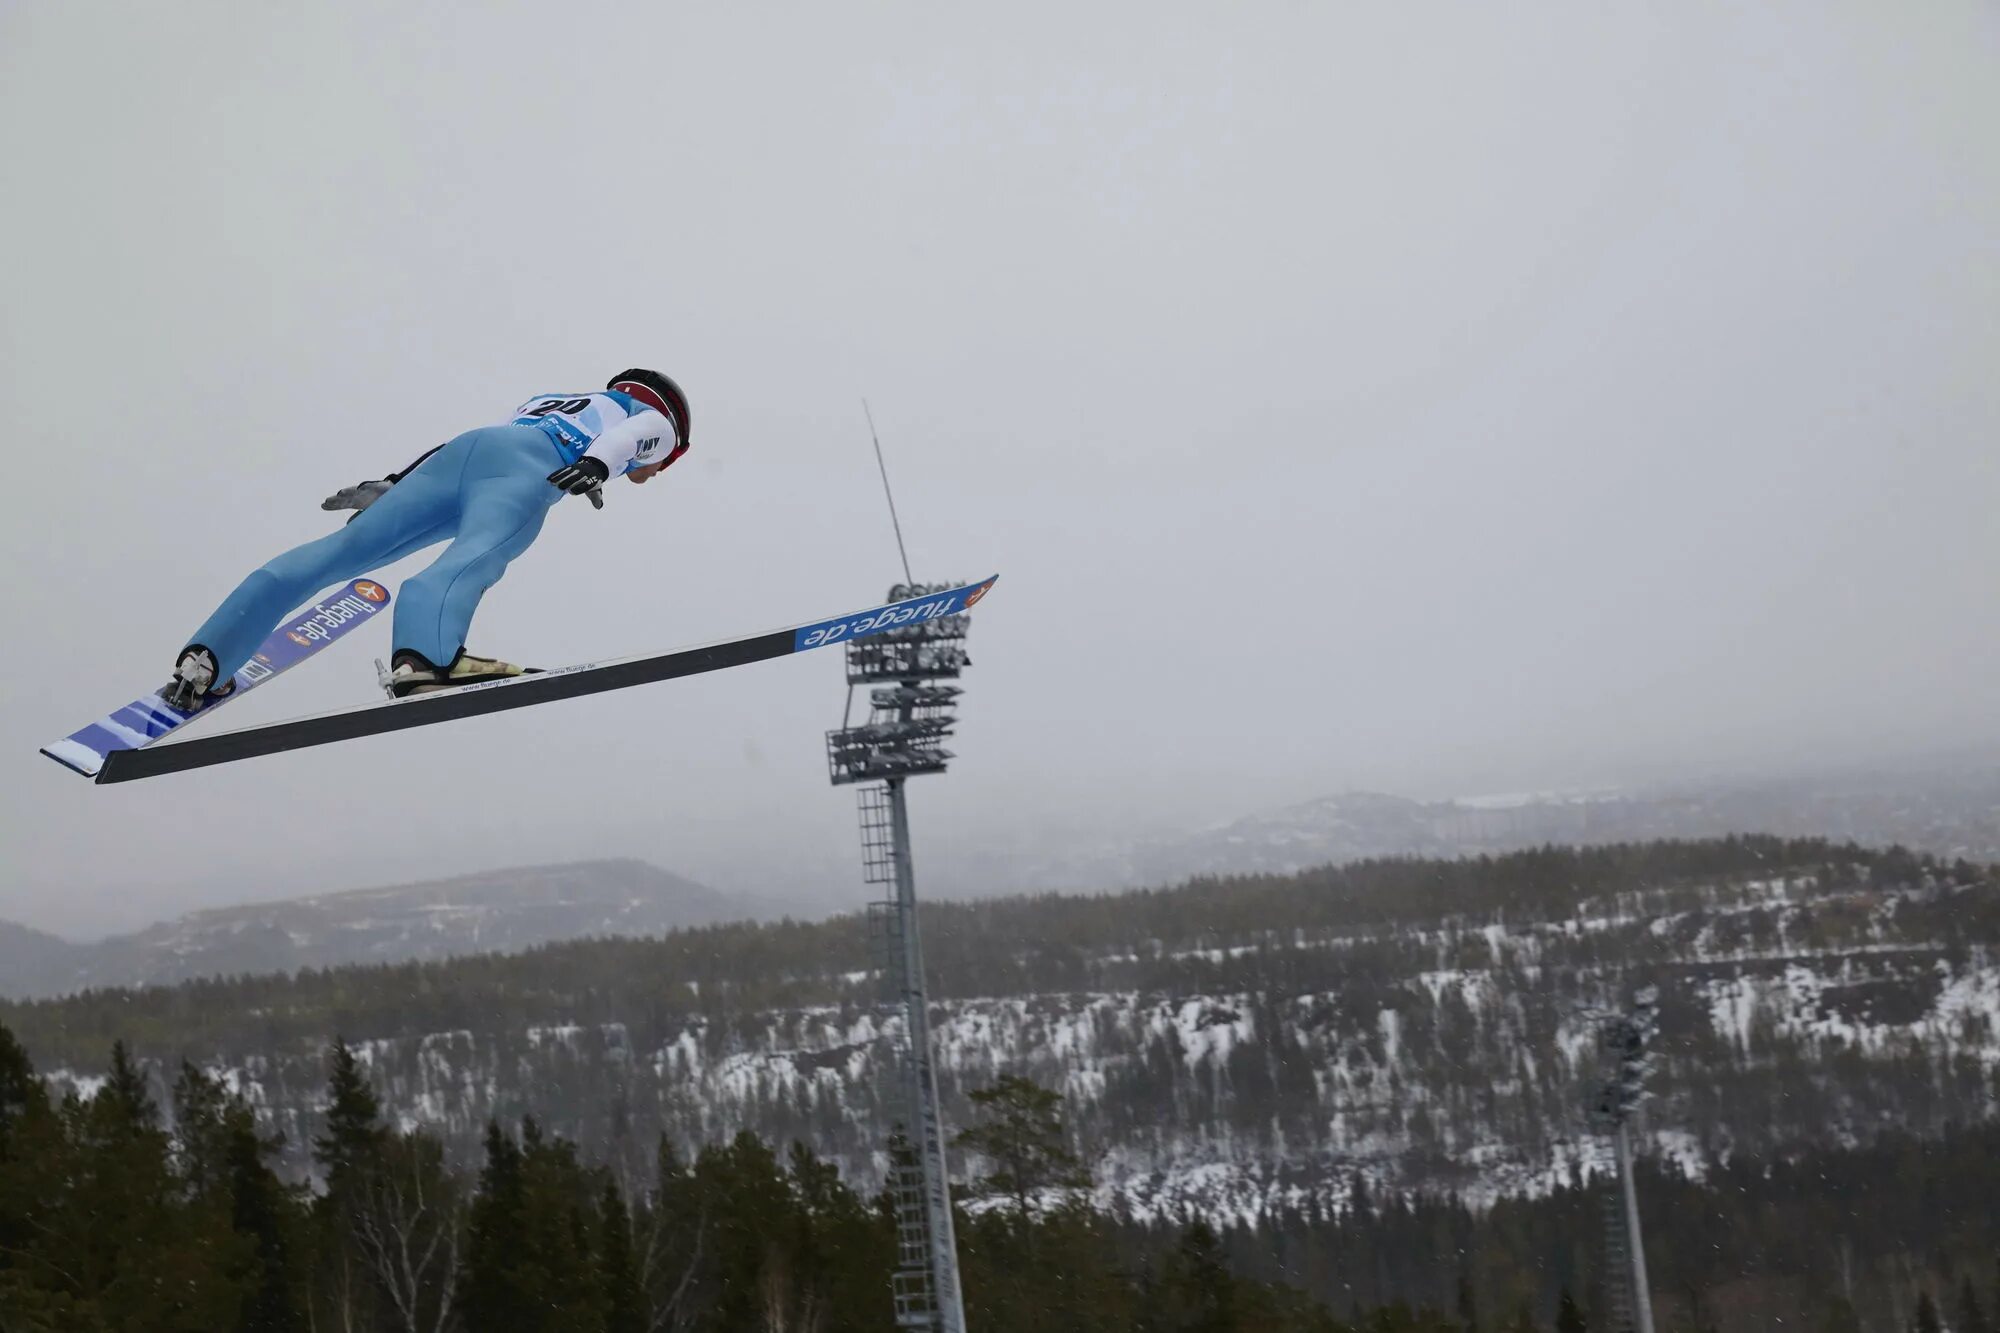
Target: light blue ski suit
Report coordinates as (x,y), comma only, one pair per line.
(486,492)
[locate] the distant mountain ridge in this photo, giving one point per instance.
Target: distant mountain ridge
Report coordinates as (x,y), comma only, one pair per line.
(491,912)
(29,956)
(1362,825)
(1947,807)
(1948,812)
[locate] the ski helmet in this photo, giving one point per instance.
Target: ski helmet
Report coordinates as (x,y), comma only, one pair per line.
(663,396)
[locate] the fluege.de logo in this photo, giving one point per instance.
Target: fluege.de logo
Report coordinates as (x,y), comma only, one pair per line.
(329,616)
(888,617)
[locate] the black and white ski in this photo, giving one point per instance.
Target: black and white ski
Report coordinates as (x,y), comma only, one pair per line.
(423,710)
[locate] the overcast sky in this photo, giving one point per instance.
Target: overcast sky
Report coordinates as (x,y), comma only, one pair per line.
(1430,398)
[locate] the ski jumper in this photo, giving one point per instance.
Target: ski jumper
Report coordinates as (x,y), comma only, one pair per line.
(486,492)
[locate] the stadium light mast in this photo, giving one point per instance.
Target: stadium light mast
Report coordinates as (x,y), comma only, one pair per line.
(907,671)
(1623,1039)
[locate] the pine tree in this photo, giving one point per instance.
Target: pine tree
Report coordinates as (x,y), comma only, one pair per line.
(532,1262)
(1971,1317)
(1569,1317)
(625,1308)
(346,1151)
(1927,1316)
(741,1188)
(1840,1316)
(268,1216)
(200,1144)
(672,1243)
(843,1247)
(1021,1133)
(496,1236)
(123,1228)
(227,1182)
(1206,1288)
(20,1090)
(125,1100)
(36,1169)
(354,1129)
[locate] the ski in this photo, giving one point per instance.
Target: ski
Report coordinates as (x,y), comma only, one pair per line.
(148,718)
(496,696)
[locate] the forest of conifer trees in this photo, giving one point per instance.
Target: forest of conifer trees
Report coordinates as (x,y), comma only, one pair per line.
(1234,1049)
(122,1212)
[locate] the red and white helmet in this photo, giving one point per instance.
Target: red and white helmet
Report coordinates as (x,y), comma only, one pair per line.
(663,396)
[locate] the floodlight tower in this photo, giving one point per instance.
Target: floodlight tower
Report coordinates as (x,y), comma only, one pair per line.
(910,715)
(907,671)
(1623,1039)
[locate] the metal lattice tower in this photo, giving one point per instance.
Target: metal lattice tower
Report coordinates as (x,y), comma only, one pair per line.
(1623,1039)
(1617,1262)
(910,715)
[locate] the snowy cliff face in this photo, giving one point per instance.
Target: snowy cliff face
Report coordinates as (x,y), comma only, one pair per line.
(1278,1071)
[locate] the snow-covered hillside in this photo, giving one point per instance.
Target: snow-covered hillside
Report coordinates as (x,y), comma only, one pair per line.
(1250,1072)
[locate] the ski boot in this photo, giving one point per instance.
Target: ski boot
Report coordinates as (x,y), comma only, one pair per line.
(193,675)
(411,672)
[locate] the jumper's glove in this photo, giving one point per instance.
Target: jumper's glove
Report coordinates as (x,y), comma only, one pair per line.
(356,498)
(581,477)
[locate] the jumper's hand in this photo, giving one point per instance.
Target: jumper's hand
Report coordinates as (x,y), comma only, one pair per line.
(581,477)
(356,498)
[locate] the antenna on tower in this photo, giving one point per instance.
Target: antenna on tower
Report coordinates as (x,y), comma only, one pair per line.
(894,522)
(911,672)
